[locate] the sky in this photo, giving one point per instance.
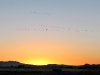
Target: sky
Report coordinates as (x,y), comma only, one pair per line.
(50,31)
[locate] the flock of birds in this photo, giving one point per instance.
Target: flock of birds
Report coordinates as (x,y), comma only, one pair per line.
(41,13)
(53,28)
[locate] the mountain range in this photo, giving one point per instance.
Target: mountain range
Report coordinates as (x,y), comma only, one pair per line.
(9,63)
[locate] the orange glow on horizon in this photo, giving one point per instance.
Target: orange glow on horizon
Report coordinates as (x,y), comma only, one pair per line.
(39,61)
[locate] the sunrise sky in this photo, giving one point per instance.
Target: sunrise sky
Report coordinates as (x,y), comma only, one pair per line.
(50,31)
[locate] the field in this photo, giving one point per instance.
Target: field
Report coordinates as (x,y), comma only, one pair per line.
(31,71)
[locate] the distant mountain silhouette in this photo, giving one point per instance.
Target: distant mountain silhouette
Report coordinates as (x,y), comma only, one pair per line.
(50,66)
(9,63)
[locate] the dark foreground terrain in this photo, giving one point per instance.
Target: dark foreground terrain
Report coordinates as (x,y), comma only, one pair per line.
(16,68)
(49,73)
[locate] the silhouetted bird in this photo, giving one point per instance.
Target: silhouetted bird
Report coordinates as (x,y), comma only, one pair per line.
(46,29)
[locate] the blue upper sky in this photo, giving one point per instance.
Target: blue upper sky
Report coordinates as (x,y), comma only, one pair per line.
(78,13)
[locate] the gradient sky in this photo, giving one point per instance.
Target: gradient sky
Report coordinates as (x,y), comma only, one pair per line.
(50,31)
